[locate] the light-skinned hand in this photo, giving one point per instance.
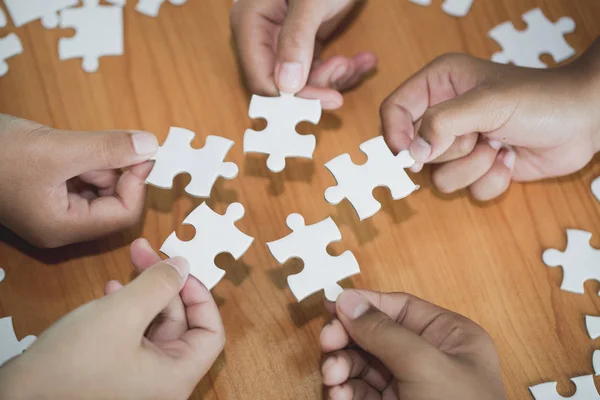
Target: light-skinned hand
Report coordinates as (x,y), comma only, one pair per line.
(394,346)
(60,187)
(280,42)
(485,125)
(152,339)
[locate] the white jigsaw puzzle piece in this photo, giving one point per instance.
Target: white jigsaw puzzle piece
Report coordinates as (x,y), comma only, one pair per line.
(456,8)
(356,182)
(117,2)
(3,21)
(25,11)
(321,270)
(10,346)
(596,362)
(205,165)
(523,48)
(151,8)
(215,234)
(279,139)
(580,261)
(592,325)
(2,274)
(586,390)
(596,188)
(99,32)
(10,46)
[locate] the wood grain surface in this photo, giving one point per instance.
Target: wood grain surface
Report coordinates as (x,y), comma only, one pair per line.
(481,260)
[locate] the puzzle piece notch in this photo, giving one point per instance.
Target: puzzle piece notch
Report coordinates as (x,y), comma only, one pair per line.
(580,261)
(10,46)
(357,182)
(455,8)
(23,12)
(321,270)
(280,139)
(151,8)
(10,346)
(205,165)
(586,390)
(523,48)
(99,32)
(596,188)
(215,234)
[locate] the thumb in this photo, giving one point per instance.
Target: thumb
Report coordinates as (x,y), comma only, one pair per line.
(407,355)
(144,298)
(91,151)
(296,44)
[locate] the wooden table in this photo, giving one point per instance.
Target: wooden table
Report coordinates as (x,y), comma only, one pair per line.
(482,260)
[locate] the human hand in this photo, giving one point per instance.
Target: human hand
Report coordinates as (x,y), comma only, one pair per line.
(152,339)
(60,187)
(279,44)
(396,346)
(485,124)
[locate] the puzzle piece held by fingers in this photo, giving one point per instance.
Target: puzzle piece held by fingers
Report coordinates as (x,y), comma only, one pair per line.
(10,346)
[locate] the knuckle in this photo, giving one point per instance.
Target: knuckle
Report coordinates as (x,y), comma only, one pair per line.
(111,149)
(441,182)
(433,122)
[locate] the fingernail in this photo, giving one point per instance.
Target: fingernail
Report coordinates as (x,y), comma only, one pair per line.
(331,104)
(494,144)
(352,304)
(418,167)
(330,362)
(338,73)
(336,393)
(420,150)
(290,77)
(181,265)
(144,143)
(509,159)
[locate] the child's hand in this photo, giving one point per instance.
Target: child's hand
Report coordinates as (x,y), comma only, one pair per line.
(459,110)
(146,340)
(59,187)
(279,44)
(396,346)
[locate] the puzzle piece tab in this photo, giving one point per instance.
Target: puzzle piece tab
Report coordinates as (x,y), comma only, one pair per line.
(586,390)
(25,11)
(215,234)
(596,188)
(10,346)
(592,324)
(279,139)
(205,165)
(356,182)
(456,8)
(10,46)
(151,8)
(117,2)
(99,32)
(321,270)
(580,261)
(523,48)
(3,21)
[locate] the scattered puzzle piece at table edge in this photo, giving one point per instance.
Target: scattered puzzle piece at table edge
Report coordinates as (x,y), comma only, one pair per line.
(523,48)
(151,8)
(280,139)
(23,12)
(205,165)
(596,188)
(321,270)
(10,46)
(586,390)
(580,261)
(215,234)
(456,8)
(357,182)
(99,32)
(10,346)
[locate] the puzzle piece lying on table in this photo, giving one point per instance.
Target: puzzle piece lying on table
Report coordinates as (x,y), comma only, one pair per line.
(152,7)
(596,188)
(117,2)
(99,32)
(279,139)
(25,11)
(10,346)
(523,48)
(586,390)
(215,234)
(456,8)
(3,21)
(580,261)
(356,182)
(10,46)
(321,270)
(205,165)
(2,274)
(592,325)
